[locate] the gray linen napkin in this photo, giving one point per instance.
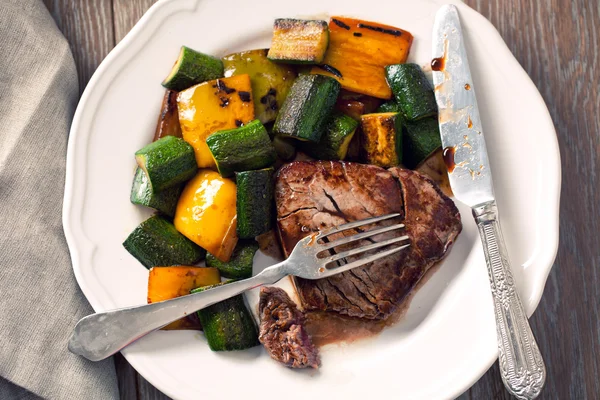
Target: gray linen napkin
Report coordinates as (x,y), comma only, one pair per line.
(40,301)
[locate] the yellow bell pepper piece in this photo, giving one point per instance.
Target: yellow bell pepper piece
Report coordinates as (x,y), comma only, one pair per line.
(213,106)
(206,213)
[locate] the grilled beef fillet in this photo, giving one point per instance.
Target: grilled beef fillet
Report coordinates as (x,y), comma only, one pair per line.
(311,196)
(282,330)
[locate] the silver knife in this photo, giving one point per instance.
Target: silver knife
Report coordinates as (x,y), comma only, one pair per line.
(521,364)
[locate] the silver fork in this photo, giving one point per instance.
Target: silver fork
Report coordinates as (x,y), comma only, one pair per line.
(101,335)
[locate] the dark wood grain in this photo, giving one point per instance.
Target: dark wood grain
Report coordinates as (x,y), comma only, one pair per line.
(556,41)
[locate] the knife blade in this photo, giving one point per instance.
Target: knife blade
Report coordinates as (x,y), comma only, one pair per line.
(465,154)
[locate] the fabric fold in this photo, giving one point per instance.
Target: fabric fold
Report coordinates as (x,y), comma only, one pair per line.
(40,301)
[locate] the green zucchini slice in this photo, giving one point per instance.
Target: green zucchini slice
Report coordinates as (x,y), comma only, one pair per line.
(420,139)
(167,162)
(336,139)
(306,110)
(192,68)
(412,90)
(240,264)
(228,325)
(241,149)
(381,139)
(297,41)
(389,106)
(254,202)
(156,242)
(142,194)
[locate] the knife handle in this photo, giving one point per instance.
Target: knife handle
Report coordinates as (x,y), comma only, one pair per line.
(521,364)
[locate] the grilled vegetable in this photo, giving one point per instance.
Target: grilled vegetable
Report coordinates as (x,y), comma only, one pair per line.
(192,68)
(435,168)
(166,283)
(334,142)
(381,139)
(206,213)
(167,162)
(213,106)
(271,82)
(228,325)
(284,148)
(156,242)
(298,41)
(240,264)
(420,139)
(305,111)
(412,90)
(168,120)
(254,202)
(164,201)
(352,108)
(358,52)
(389,106)
(242,149)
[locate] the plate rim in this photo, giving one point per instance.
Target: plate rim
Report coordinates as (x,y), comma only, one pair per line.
(79,244)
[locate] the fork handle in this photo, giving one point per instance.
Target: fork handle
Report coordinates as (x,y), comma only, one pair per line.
(521,364)
(101,335)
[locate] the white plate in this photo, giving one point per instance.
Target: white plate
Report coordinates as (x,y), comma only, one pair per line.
(447,339)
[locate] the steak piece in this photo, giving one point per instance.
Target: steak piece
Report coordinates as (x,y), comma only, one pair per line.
(282,330)
(315,195)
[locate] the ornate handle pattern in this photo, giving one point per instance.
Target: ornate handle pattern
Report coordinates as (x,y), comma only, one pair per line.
(521,364)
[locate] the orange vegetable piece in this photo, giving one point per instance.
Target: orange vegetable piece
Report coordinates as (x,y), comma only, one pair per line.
(166,283)
(360,50)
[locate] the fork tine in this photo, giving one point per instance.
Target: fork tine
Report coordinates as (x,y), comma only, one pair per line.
(362,249)
(362,261)
(356,224)
(360,235)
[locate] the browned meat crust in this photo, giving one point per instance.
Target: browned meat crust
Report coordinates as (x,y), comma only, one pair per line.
(282,330)
(314,195)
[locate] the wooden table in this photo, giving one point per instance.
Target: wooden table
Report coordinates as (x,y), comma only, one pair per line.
(556,41)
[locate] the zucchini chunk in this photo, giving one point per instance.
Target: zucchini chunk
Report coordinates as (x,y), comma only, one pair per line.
(254,202)
(435,168)
(305,111)
(164,201)
(191,68)
(240,264)
(284,148)
(389,106)
(214,106)
(420,139)
(156,242)
(242,149)
(228,325)
(412,90)
(297,41)
(168,120)
(359,50)
(166,283)
(206,213)
(336,139)
(381,139)
(167,162)
(271,82)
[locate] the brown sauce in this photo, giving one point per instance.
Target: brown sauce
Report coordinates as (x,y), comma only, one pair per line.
(449,158)
(467,86)
(438,64)
(469,123)
(330,328)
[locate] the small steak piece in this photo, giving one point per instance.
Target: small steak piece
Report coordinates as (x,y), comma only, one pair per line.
(282,330)
(311,196)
